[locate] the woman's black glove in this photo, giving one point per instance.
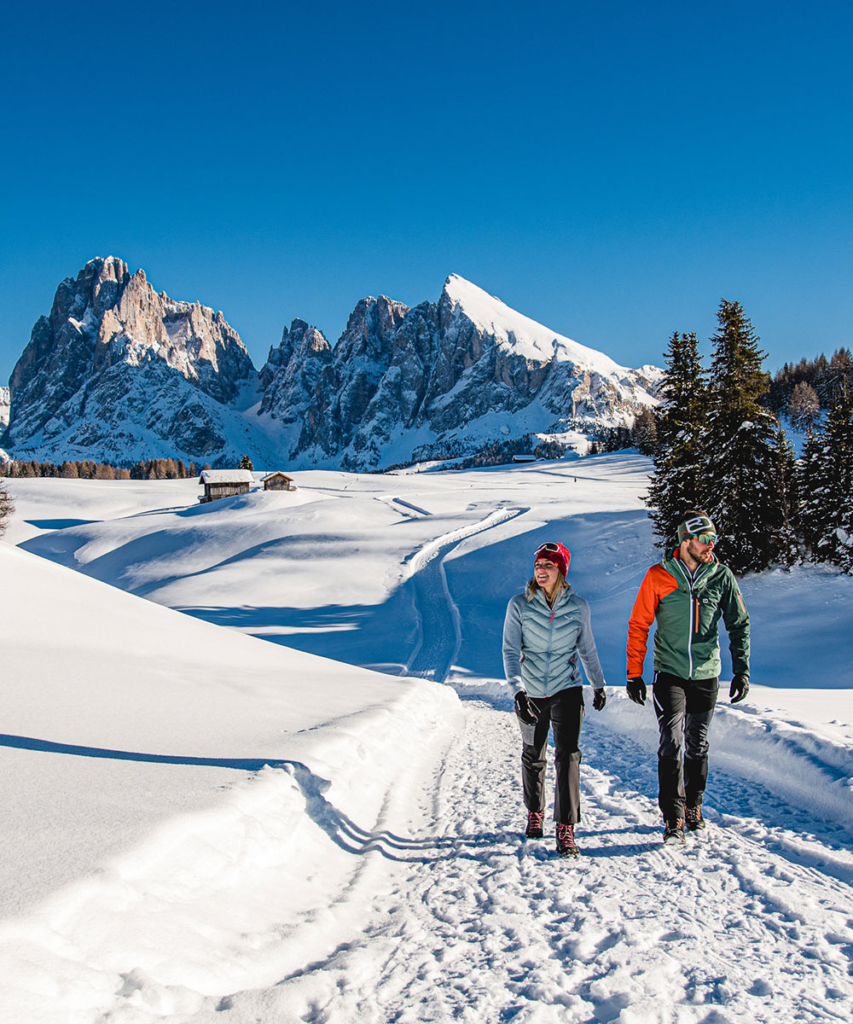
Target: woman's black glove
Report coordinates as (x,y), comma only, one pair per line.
(739,688)
(599,698)
(636,690)
(524,709)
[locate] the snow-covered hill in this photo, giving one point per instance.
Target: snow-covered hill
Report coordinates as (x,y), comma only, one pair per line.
(202,826)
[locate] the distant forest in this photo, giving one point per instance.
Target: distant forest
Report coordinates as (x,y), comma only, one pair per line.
(149,469)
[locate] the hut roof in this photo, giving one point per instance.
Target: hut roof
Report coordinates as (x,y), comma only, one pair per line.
(271,476)
(227,476)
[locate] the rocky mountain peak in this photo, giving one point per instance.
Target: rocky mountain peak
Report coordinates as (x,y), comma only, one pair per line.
(104,324)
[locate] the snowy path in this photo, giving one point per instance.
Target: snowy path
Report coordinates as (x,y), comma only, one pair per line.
(439,634)
(471,922)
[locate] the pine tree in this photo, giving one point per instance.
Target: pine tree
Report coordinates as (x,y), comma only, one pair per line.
(644,432)
(246,463)
(677,480)
(738,447)
(813,491)
(836,541)
(783,498)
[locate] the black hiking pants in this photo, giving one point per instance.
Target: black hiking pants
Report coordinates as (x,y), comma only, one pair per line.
(563,713)
(684,708)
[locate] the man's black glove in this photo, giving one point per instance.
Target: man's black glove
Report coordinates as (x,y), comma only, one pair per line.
(739,688)
(636,690)
(599,698)
(524,709)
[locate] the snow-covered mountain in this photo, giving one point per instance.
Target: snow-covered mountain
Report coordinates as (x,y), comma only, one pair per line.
(4,407)
(119,372)
(442,379)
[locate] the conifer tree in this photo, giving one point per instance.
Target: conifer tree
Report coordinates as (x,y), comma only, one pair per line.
(783,498)
(813,491)
(737,447)
(246,463)
(677,481)
(835,543)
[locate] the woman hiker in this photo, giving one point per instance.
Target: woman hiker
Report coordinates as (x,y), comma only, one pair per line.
(546,631)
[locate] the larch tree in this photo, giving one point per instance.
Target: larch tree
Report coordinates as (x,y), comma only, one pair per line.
(804,406)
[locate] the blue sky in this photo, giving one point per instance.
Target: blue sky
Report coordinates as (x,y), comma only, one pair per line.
(610,169)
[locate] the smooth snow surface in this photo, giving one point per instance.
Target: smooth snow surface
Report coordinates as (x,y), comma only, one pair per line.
(519,333)
(225,816)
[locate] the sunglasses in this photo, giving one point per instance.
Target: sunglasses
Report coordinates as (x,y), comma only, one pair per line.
(706,538)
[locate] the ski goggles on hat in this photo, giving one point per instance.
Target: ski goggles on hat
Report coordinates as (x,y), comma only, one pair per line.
(697,526)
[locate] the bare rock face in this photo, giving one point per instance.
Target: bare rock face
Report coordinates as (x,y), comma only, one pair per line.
(118,369)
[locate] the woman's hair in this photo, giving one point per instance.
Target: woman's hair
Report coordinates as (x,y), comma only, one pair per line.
(533,586)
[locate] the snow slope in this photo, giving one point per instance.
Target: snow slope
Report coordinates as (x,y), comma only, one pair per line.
(526,337)
(205,826)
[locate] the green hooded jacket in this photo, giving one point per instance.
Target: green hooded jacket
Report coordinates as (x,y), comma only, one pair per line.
(688,612)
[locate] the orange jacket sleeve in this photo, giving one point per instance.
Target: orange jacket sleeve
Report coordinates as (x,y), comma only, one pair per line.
(656,583)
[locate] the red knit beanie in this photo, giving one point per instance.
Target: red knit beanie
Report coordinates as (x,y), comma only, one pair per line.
(559,554)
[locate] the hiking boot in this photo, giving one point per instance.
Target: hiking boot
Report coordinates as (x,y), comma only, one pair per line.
(673,831)
(566,845)
(693,818)
(534,825)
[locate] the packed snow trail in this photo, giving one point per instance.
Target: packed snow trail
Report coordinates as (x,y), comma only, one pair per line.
(439,633)
(474,923)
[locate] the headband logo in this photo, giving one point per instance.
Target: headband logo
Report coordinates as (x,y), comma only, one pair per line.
(694,525)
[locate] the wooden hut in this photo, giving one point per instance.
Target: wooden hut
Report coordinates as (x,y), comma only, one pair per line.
(223,483)
(278,482)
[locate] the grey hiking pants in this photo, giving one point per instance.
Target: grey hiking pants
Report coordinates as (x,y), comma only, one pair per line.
(563,713)
(684,709)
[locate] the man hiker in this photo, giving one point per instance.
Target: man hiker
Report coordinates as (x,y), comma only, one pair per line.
(687,594)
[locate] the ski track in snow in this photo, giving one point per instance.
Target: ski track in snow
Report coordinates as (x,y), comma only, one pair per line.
(439,633)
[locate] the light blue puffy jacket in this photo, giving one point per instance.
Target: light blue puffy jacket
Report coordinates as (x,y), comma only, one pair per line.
(541,645)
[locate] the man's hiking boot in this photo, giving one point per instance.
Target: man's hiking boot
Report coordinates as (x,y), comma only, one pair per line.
(673,832)
(566,845)
(693,818)
(534,825)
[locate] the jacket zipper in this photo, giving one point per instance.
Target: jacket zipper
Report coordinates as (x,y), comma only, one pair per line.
(693,625)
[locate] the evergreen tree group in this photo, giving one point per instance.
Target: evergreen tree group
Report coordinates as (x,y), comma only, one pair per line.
(720,448)
(823,378)
(825,482)
(88,469)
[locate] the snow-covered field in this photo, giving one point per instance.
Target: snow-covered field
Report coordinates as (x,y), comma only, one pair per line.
(202,825)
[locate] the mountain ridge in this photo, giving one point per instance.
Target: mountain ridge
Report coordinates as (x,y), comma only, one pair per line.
(118,371)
